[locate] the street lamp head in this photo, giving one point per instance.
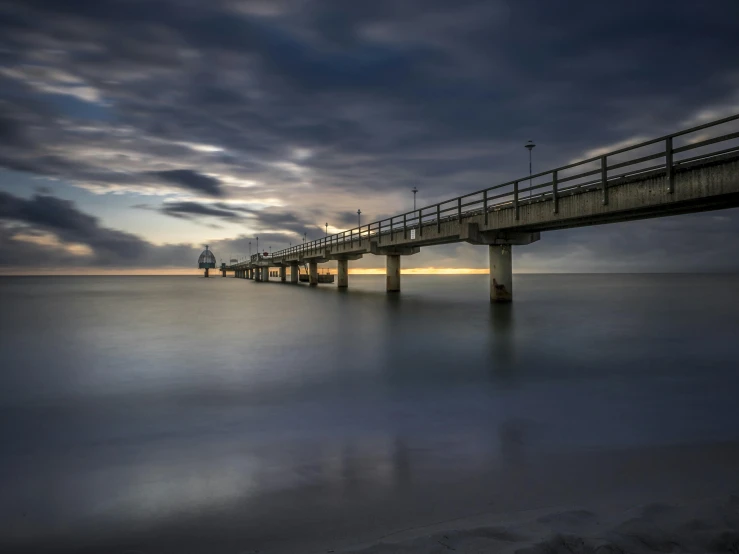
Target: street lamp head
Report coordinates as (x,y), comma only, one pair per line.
(414,190)
(530,145)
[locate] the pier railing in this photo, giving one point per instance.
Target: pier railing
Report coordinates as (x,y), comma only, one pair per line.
(595,173)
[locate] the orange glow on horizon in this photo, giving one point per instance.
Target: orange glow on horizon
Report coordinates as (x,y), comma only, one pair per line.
(92,271)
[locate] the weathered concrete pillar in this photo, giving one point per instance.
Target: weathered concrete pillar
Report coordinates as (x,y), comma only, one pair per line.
(265,273)
(294,272)
(206,272)
(258,273)
(501,273)
(223,271)
(343,273)
(283,273)
(393,273)
(250,274)
(313,271)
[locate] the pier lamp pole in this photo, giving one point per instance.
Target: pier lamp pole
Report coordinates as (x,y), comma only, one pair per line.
(414,191)
(327,228)
(257,247)
(250,250)
(359,218)
(530,146)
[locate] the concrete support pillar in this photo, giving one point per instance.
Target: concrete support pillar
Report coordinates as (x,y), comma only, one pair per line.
(294,272)
(343,273)
(265,274)
(501,273)
(313,267)
(283,273)
(393,273)
(251,273)
(223,272)
(258,273)
(206,272)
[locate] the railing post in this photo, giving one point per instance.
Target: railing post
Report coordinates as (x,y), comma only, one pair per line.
(515,198)
(405,230)
(555,192)
(438,218)
(485,204)
(459,209)
(668,165)
(604,178)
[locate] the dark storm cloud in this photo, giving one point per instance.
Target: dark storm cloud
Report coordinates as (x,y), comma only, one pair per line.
(191,180)
(288,223)
(48,214)
(315,101)
(189,209)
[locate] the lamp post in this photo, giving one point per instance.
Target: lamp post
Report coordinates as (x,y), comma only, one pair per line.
(414,191)
(257,247)
(250,250)
(327,228)
(359,218)
(530,146)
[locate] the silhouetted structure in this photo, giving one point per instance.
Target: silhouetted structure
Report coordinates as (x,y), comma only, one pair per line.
(206,260)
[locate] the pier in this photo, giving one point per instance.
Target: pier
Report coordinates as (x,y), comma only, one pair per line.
(689,171)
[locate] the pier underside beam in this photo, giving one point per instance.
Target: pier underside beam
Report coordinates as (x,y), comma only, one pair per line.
(501,273)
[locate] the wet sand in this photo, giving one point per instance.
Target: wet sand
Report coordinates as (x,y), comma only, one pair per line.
(547,502)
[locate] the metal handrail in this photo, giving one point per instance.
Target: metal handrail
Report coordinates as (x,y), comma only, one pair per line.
(446,211)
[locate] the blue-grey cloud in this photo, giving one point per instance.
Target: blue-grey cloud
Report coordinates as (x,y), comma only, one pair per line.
(324,107)
(191,180)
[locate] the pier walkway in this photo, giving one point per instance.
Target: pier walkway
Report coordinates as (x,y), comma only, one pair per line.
(693,170)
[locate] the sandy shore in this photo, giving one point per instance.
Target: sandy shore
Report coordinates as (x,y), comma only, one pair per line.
(672,499)
(711,525)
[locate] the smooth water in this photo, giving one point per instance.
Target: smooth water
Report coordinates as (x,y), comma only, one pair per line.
(192,414)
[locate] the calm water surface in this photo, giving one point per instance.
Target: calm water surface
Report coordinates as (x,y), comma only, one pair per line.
(242,414)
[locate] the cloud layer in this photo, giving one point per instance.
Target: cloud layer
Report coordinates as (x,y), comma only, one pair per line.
(273,118)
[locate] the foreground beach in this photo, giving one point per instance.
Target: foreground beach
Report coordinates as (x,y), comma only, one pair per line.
(711,525)
(676,499)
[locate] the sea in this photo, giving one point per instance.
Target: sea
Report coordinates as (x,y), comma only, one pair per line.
(180,414)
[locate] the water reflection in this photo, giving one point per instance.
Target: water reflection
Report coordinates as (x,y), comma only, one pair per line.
(325,403)
(502,352)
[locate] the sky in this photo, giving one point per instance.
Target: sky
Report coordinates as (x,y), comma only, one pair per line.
(133,132)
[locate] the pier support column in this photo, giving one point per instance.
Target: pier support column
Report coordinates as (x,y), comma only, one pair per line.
(343,274)
(393,273)
(294,272)
(206,272)
(313,272)
(250,274)
(258,272)
(501,273)
(283,273)
(265,274)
